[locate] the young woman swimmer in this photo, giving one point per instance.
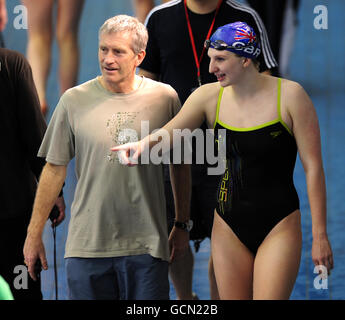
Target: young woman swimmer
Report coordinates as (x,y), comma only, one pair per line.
(256,237)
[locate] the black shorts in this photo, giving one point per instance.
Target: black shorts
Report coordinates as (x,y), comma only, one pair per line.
(203,204)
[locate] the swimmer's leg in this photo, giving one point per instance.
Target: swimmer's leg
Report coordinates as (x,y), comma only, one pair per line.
(233,263)
(277,260)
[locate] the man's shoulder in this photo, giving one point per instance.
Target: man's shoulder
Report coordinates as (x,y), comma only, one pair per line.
(83,88)
(239,11)
(159,86)
(164,10)
(81,94)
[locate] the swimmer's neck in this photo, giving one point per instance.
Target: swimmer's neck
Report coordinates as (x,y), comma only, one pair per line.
(248,85)
(202,6)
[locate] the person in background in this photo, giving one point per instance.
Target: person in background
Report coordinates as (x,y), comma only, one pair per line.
(22,128)
(280,18)
(40,38)
(143,7)
(3,15)
(5,291)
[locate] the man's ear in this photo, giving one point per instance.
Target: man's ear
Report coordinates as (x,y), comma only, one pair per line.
(140,57)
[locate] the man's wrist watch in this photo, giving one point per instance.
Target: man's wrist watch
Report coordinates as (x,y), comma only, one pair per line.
(186,226)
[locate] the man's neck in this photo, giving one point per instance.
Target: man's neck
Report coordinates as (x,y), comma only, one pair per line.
(202,6)
(126,87)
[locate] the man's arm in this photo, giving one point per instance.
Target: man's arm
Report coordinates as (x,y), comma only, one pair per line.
(49,187)
(180,177)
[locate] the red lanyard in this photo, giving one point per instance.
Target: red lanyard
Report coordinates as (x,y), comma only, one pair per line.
(198,60)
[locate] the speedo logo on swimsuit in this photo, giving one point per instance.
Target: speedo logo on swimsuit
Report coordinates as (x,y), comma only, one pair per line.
(223,192)
(275,134)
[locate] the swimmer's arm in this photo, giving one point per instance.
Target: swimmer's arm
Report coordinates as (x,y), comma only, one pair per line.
(307,133)
(191,115)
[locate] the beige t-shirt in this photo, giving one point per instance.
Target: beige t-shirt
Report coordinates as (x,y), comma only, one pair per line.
(117,210)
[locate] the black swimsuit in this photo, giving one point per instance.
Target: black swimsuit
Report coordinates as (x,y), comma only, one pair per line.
(256,191)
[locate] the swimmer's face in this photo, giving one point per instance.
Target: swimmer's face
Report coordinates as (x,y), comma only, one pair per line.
(225,65)
(117,60)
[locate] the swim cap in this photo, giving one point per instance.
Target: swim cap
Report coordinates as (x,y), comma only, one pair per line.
(236,37)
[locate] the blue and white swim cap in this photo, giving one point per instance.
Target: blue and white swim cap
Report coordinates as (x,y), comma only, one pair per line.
(237,37)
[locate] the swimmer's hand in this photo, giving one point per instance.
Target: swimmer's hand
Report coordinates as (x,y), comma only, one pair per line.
(129,153)
(322,254)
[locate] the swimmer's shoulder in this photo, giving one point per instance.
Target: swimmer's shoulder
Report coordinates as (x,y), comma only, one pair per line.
(207,93)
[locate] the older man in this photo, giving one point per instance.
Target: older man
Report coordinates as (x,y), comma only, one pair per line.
(117,245)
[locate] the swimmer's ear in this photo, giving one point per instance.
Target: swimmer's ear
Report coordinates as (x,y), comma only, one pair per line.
(246,62)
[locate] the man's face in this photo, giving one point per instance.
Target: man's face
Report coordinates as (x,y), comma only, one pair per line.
(117,59)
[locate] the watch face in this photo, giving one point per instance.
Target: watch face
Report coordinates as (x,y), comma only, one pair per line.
(184,225)
(189,225)
(180,225)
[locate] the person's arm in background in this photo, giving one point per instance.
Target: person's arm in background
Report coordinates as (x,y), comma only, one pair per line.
(180,178)
(3,15)
(142,8)
(31,120)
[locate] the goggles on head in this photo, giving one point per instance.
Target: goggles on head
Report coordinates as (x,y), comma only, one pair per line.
(221,45)
(246,50)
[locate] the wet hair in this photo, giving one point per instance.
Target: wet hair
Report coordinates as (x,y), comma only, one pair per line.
(124,23)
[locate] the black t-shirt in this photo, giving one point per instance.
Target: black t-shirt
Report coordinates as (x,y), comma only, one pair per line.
(22,127)
(169,52)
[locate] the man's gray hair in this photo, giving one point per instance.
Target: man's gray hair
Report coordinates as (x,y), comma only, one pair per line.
(124,23)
